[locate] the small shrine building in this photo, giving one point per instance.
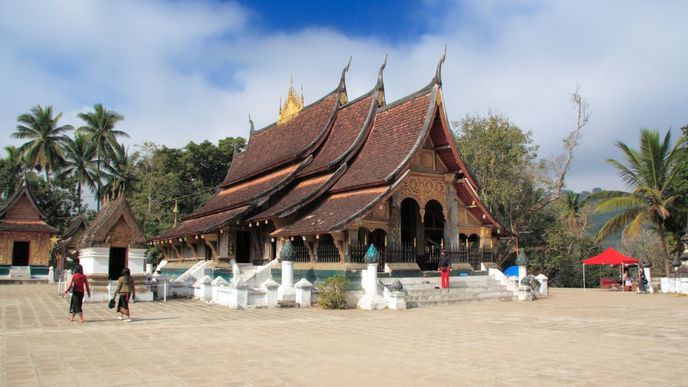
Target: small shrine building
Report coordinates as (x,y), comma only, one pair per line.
(25,238)
(338,175)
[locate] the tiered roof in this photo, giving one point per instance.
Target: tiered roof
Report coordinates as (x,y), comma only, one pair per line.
(114,220)
(21,214)
(331,163)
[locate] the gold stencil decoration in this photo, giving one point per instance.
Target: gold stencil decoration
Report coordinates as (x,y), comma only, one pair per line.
(292,106)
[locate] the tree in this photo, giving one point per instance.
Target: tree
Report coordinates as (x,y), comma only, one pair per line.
(120,171)
(100,129)
(515,186)
(649,173)
(44,150)
(80,163)
(183,177)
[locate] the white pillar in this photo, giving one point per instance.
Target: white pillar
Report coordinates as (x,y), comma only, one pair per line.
(136,260)
(286,291)
(371,300)
(235,270)
(648,276)
(522,272)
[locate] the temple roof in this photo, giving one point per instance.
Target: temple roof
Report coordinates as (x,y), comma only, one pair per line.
(332,212)
(21,214)
(283,143)
(396,132)
(204,224)
(113,220)
(345,131)
(240,194)
(298,194)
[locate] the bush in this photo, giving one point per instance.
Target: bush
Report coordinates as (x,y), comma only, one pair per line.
(333,293)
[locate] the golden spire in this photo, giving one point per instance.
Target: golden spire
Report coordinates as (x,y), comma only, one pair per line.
(292,106)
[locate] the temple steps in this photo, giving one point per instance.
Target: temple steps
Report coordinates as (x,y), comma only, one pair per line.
(426,291)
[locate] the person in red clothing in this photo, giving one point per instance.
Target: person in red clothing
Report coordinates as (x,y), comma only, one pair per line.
(77,284)
(445,268)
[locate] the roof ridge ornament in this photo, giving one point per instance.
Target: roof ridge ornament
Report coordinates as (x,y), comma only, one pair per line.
(381,84)
(438,72)
(343,96)
(292,106)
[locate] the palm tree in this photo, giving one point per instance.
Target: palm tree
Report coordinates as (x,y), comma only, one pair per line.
(80,162)
(649,173)
(121,173)
(43,151)
(100,128)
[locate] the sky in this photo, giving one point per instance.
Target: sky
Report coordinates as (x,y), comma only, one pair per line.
(182,71)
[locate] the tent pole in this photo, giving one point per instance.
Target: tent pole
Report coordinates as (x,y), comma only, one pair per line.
(583,276)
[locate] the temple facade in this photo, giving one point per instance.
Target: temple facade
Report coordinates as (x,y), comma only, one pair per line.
(25,238)
(338,175)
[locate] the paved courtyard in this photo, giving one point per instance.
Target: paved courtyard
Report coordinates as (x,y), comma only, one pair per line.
(574,337)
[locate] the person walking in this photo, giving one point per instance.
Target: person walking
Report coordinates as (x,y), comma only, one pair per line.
(127,292)
(445,268)
(77,284)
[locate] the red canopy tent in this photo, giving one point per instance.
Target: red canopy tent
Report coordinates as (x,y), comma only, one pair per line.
(608,257)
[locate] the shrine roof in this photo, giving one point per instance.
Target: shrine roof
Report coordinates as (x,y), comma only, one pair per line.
(282,143)
(203,225)
(26,226)
(244,192)
(98,231)
(348,125)
(396,134)
(334,212)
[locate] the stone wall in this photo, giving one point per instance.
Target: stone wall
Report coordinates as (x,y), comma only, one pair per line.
(39,247)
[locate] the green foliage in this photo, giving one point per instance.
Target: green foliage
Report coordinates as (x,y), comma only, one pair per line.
(503,160)
(649,173)
(185,177)
(57,199)
(45,139)
(333,292)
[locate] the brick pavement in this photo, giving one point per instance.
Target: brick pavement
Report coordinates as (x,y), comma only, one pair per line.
(571,338)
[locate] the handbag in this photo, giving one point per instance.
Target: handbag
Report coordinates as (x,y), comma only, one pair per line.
(111,304)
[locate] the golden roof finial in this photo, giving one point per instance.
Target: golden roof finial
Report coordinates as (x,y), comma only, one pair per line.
(292,106)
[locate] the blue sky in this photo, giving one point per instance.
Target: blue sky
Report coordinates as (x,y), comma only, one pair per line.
(185,71)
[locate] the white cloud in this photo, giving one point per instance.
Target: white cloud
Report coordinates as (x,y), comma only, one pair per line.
(189,71)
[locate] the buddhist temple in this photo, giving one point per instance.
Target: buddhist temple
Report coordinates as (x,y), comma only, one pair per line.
(338,175)
(25,237)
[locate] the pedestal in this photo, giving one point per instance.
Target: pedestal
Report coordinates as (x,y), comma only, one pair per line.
(286,291)
(371,300)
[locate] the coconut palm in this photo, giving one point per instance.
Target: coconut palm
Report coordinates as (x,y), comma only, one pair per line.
(80,162)
(121,173)
(44,149)
(649,174)
(100,128)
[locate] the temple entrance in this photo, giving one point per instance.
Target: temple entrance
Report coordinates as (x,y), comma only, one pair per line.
(20,254)
(409,221)
(243,247)
(433,225)
(379,239)
(118,258)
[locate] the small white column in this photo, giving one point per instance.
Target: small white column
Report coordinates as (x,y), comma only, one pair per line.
(206,289)
(303,293)
(543,290)
(270,287)
(51,275)
(236,272)
(371,300)
(286,291)
(648,276)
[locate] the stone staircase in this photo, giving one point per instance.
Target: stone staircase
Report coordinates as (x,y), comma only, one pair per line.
(477,288)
